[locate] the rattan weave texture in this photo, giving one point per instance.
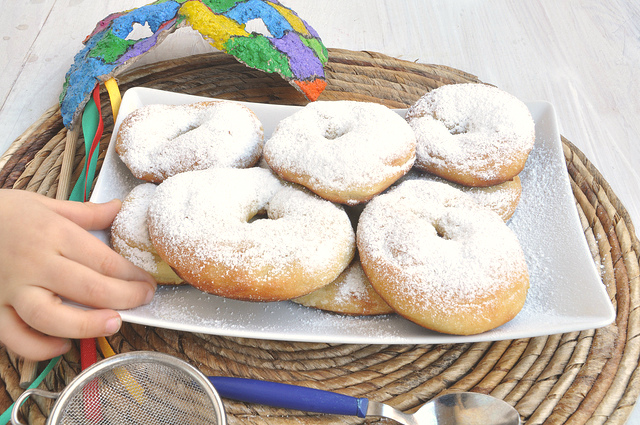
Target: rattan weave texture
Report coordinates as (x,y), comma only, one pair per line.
(575,378)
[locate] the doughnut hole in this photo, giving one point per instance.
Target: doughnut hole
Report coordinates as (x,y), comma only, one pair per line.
(333,132)
(441,231)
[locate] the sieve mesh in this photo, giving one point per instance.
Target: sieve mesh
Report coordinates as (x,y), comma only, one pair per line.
(144,392)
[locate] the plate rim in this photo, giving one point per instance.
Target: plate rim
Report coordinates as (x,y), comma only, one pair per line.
(132,316)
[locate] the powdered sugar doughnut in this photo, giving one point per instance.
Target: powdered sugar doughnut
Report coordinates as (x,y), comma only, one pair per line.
(159,141)
(243,234)
(351,293)
(345,151)
(130,236)
(441,260)
(501,198)
(472,134)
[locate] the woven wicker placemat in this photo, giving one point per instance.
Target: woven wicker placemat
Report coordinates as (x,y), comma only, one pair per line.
(574,378)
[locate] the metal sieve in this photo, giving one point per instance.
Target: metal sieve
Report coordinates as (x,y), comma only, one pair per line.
(134,388)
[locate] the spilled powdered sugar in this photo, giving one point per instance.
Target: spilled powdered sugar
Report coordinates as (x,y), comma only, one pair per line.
(196,310)
(541,199)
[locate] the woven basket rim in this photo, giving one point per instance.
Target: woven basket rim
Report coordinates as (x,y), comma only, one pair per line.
(569,378)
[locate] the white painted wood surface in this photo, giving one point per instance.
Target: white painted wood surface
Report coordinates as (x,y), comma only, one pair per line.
(583,56)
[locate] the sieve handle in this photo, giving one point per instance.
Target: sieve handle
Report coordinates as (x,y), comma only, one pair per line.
(15,420)
(289,396)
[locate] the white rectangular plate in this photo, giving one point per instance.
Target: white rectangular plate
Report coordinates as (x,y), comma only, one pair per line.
(566,291)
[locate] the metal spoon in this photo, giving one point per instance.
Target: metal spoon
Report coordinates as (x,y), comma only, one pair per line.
(450,409)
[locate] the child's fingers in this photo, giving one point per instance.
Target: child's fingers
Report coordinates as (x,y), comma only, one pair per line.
(84,249)
(27,342)
(74,243)
(87,215)
(45,312)
(81,284)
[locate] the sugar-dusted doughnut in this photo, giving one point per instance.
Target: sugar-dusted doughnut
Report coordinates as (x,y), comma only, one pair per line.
(344,151)
(503,198)
(158,141)
(130,236)
(244,234)
(351,293)
(441,260)
(472,134)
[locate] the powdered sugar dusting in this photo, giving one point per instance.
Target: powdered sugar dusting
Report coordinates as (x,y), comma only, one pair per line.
(471,127)
(131,224)
(350,293)
(191,208)
(353,284)
(563,297)
(502,198)
(342,144)
(163,140)
(444,249)
(139,257)
(132,217)
(213,215)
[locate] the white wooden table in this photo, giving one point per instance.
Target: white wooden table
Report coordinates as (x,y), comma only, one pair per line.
(583,56)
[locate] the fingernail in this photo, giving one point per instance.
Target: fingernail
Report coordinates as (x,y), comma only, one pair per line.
(149,296)
(66,346)
(113,325)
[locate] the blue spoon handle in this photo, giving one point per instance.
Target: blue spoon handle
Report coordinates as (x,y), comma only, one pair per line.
(289,396)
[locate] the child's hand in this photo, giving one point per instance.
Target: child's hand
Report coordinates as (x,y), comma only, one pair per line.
(46,253)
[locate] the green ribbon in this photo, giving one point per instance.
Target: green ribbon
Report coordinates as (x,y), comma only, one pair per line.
(90,123)
(6,416)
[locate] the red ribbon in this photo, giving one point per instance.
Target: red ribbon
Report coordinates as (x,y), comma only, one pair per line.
(96,139)
(88,352)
